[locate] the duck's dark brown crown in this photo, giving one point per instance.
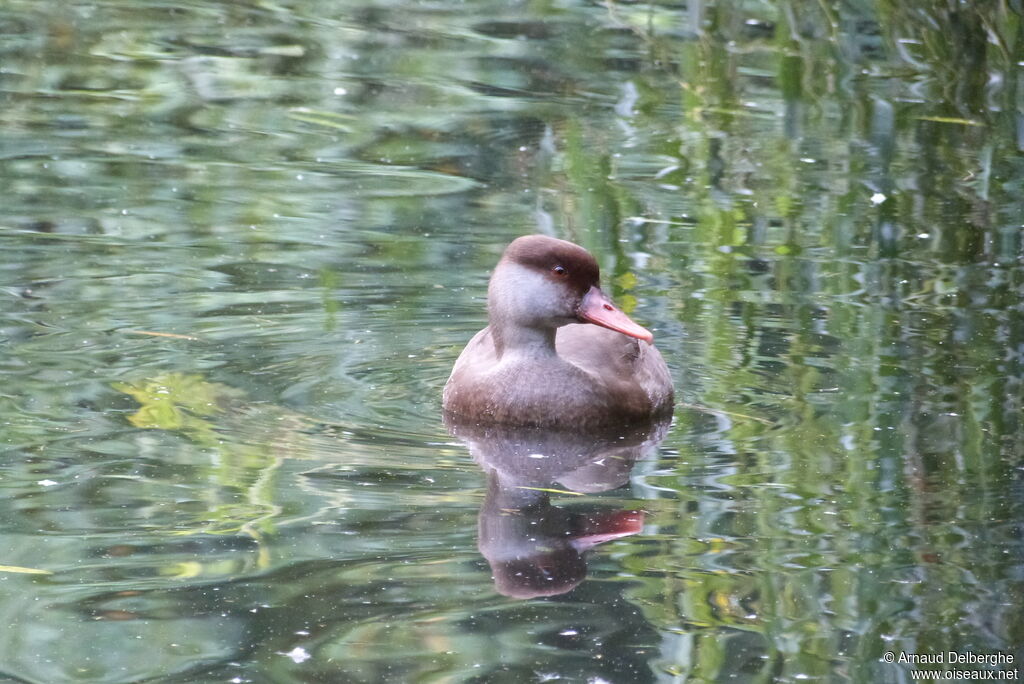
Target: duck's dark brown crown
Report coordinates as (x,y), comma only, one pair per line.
(546,254)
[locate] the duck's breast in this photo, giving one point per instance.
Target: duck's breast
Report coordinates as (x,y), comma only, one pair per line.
(598,377)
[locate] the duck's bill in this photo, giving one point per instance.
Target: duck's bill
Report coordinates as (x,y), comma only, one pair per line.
(598,309)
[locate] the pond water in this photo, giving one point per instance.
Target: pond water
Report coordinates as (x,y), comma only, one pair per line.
(243,243)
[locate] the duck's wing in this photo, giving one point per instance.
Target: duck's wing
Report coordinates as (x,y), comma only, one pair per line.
(598,350)
(478,356)
(475,360)
(618,360)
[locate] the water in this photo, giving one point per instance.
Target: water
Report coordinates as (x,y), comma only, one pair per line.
(243,243)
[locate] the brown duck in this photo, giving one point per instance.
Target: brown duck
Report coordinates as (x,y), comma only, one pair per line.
(557,352)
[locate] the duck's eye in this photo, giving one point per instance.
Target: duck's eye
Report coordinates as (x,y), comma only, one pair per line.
(559,270)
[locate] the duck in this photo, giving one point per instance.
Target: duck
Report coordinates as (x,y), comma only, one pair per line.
(557,352)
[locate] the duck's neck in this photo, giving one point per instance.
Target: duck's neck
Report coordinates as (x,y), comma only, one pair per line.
(519,306)
(518,341)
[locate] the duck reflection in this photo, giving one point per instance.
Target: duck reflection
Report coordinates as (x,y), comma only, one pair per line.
(535,548)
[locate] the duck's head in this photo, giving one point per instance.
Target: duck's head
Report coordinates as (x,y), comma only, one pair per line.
(542,282)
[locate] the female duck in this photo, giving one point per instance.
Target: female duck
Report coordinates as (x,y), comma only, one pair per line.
(557,352)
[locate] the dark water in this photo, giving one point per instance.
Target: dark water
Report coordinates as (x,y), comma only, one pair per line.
(242,243)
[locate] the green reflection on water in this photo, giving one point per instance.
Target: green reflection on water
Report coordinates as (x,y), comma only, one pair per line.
(288,212)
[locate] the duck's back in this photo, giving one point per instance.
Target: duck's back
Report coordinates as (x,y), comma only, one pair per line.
(598,377)
(623,361)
